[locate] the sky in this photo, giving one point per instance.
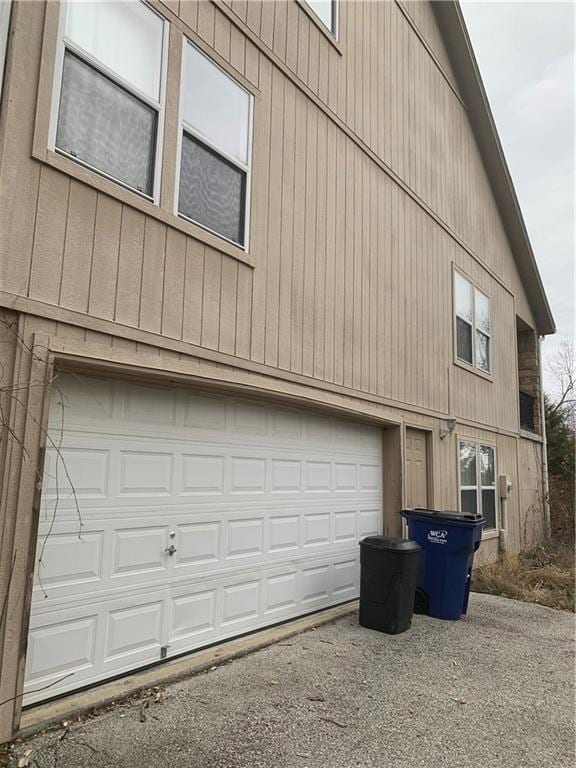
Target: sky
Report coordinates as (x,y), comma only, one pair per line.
(525,51)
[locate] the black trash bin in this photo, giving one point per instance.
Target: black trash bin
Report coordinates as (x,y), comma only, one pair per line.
(388,575)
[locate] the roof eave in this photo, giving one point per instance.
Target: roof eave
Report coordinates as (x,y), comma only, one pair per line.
(459,48)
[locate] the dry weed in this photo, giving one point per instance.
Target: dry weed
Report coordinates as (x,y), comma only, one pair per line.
(544,576)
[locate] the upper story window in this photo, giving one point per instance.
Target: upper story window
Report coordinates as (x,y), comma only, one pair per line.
(478,482)
(326,12)
(215,148)
(472,309)
(110,90)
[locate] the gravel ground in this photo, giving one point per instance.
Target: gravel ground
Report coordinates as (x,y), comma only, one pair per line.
(494,689)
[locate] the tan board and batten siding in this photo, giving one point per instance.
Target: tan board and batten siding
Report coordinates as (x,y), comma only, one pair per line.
(367,188)
(316,250)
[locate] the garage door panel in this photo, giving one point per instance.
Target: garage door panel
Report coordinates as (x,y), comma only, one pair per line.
(119,552)
(370,522)
(228,605)
(88,643)
(68,559)
(247,475)
(286,476)
(316,529)
(101,555)
(143,404)
(193,617)
(264,506)
(241,602)
(202,474)
(317,477)
(140,550)
(81,400)
(203,412)
(88,467)
(135,629)
(346,577)
(199,543)
(345,526)
(283,532)
(146,473)
(281,593)
(61,647)
(244,538)
(104,479)
(369,477)
(100,404)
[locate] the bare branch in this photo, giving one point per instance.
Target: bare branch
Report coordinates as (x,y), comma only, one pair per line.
(16,393)
(562,368)
(36,690)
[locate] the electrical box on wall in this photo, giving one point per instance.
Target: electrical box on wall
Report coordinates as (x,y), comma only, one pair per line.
(504,486)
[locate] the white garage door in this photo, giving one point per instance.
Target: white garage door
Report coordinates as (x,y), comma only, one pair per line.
(262,507)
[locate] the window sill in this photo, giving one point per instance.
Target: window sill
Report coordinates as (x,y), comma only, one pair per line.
(490,535)
(471,369)
(140,203)
(528,435)
(321,26)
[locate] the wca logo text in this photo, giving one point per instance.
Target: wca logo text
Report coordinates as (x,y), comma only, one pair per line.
(438,537)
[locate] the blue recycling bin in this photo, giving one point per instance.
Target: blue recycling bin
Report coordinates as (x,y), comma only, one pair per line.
(449,541)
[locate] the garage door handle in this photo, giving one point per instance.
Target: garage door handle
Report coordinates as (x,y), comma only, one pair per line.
(171,549)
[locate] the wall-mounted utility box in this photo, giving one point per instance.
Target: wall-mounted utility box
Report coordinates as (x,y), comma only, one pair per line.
(504,486)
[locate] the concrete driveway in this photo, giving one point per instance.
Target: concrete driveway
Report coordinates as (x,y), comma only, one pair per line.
(494,689)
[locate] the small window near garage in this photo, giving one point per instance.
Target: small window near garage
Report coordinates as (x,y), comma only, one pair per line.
(326,12)
(472,324)
(110,90)
(478,482)
(215,148)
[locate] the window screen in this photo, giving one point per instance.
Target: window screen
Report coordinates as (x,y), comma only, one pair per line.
(464,340)
(110,109)
(214,163)
(212,190)
(105,126)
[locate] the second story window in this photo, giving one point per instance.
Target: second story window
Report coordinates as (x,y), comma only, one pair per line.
(472,308)
(215,153)
(110,90)
(326,12)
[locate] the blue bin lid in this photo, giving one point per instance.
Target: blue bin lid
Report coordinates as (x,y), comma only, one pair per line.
(456,517)
(386,542)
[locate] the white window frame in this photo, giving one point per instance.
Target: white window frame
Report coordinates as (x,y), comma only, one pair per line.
(246,168)
(473,291)
(335,17)
(479,487)
(159,106)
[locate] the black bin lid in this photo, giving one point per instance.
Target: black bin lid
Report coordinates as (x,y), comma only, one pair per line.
(466,517)
(386,542)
